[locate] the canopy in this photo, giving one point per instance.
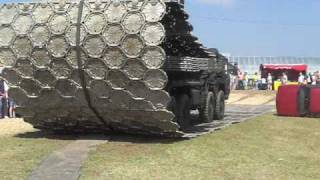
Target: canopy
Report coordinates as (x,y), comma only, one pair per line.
(276,70)
(295,67)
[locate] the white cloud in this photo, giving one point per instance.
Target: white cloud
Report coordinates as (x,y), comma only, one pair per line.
(226,3)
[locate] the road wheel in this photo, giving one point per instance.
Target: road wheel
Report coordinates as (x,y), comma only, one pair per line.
(183,110)
(207,111)
(220,106)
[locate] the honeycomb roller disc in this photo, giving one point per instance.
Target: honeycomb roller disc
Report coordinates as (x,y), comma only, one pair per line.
(132,46)
(115,11)
(6,36)
(153,34)
(113,34)
(154,10)
(7,13)
(155,79)
(22,24)
(114,58)
(42,13)
(153,57)
(133,22)
(7,58)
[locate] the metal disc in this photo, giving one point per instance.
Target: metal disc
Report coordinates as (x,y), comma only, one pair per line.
(22,24)
(6,35)
(40,57)
(101,88)
(117,79)
(115,11)
(39,35)
(58,46)
(96,68)
(66,87)
(154,10)
(31,87)
(133,22)
(135,69)
(71,34)
(12,76)
(95,23)
(20,96)
(132,46)
(159,98)
(73,13)
(7,57)
(153,34)
(72,57)
(113,34)
(25,67)
(7,13)
(45,77)
(156,79)
(134,5)
(94,45)
(60,68)
(114,58)
(153,57)
(42,13)
(138,89)
(22,47)
(58,24)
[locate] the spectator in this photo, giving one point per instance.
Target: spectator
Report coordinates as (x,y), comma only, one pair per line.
(255,79)
(12,106)
(317,78)
(309,79)
(245,80)
(284,79)
(241,83)
(301,79)
(314,79)
(3,99)
(269,81)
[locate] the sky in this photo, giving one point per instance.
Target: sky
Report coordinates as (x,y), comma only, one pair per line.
(256,27)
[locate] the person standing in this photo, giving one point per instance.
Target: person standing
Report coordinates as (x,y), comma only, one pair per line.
(3,99)
(309,79)
(301,79)
(284,79)
(314,79)
(269,81)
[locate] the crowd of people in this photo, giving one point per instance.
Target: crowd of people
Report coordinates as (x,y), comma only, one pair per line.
(242,80)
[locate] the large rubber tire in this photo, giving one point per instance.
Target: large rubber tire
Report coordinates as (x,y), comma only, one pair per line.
(183,110)
(207,110)
(220,106)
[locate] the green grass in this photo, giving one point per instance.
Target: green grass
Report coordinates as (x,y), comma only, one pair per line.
(267,147)
(19,156)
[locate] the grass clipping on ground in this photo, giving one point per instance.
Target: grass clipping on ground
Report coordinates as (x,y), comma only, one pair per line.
(22,148)
(267,147)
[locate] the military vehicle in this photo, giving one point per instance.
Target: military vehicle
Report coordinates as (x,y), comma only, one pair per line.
(129,66)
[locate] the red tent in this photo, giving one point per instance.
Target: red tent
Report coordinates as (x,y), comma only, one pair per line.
(276,70)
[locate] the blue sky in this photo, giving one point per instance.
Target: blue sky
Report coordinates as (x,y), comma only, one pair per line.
(257,27)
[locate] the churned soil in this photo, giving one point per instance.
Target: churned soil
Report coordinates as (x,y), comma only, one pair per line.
(11,127)
(251,97)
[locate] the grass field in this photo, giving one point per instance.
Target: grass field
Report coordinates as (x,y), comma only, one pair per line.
(267,147)
(20,154)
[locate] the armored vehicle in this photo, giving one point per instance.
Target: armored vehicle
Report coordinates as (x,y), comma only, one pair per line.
(116,65)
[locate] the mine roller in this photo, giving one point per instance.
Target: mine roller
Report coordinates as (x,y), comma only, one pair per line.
(110,66)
